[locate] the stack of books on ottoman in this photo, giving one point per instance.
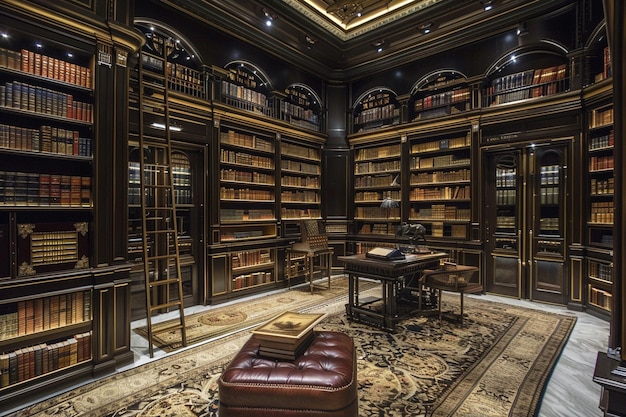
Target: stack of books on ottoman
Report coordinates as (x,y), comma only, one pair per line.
(288,335)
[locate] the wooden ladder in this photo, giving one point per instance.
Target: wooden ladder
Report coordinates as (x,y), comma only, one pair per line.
(163,279)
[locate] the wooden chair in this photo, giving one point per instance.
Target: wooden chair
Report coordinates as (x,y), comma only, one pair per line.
(312,254)
(454,278)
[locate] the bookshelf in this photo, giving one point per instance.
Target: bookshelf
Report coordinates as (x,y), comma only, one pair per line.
(375,109)
(301,107)
(440,94)
(300,184)
(377,171)
(600,176)
(51,314)
(245,87)
(522,85)
(601,186)
(440,191)
(247,185)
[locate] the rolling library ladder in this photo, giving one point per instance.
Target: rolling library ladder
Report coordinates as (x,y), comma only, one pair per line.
(163,279)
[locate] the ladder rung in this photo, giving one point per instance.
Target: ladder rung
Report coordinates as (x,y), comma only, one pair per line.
(165,305)
(167,328)
(160,231)
(162,282)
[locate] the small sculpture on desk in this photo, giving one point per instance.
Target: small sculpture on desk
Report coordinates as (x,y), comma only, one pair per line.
(415,233)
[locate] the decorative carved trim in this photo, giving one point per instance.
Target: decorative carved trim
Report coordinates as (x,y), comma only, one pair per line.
(25,230)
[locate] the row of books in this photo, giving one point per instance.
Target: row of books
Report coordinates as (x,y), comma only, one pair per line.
(602,212)
(298,166)
(363,196)
(377,213)
(246,194)
(288,335)
(600,298)
(386,151)
(603,141)
(528,78)
(229,236)
(36,189)
(388,111)
(242,158)
(440,193)
(46,139)
(41,100)
(306,182)
(441,212)
(246,215)
(547,225)
(243,76)
(454,231)
(549,174)
(602,187)
(376,100)
(374,180)
(601,271)
(441,176)
(506,196)
(30,362)
(448,97)
(443,144)
(301,196)
(372,167)
(46,313)
(438,161)
(246,176)
(307,213)
(243,93)
(526,93)
(603,117)
(291,149)
(35,63)
(251,258)
(597,163)
(506,177)
(300,112)
(549,195)
(247,140)
(249,280)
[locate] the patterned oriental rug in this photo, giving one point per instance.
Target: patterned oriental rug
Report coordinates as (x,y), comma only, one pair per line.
(496,365)
(225,320)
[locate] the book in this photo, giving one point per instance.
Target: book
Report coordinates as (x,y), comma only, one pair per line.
(288,327)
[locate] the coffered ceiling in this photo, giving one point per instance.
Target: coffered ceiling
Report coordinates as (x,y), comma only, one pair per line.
(338,39)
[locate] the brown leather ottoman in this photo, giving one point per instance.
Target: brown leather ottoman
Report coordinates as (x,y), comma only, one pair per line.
(321,382)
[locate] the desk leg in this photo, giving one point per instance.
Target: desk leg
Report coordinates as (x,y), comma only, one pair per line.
(309,262)
(329,264)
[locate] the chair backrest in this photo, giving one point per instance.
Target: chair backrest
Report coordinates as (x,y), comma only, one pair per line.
(313,234)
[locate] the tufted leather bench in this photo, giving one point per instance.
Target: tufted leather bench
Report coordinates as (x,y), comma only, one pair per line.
(321,382)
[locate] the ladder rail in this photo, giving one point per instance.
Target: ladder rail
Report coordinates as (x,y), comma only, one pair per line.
(161,252)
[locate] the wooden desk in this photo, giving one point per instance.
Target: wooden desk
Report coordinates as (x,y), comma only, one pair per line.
(455,279)
(394,276)
(613,396)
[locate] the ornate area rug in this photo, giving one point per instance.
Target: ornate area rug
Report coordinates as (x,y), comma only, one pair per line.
(496,365)
(224,320)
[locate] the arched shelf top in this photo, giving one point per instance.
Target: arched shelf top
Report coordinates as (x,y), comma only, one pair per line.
(166,42)
(526,56)
(373,93)
(598,36)
(443,78)
(257,78)
(307,96)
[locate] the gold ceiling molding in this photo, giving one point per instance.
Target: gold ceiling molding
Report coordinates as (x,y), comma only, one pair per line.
(315,10)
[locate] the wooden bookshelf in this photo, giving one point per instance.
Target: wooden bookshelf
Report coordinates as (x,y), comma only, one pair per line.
(302,108)
(374,110)
(440,94)
(300,183)
(377,171)
(531,83)
(440,191)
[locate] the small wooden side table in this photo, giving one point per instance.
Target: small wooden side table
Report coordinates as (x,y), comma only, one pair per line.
(455,278)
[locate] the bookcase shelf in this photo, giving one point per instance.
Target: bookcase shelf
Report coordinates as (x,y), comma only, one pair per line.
(377,170)
(300,182)
(440,190)
(440,94)
(375,109)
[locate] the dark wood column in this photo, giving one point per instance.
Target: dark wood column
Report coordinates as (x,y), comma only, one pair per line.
(614,11)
